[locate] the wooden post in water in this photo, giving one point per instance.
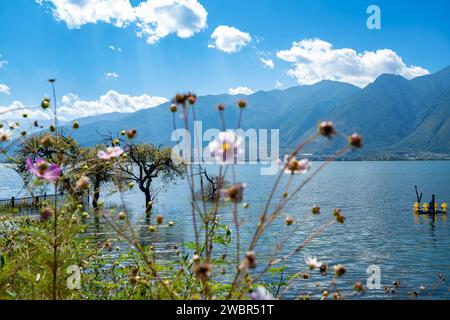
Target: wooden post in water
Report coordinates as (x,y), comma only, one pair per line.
(432,204)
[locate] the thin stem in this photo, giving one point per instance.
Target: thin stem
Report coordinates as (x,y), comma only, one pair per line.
(275,186)
(55,242)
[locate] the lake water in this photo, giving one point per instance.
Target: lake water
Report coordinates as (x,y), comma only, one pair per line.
(375,197)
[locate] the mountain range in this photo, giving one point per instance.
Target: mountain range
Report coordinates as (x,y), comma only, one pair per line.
(398,118)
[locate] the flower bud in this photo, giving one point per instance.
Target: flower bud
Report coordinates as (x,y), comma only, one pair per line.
(289,220)
(339,270)
(131,133)
(326,129)
(358,286)
(355,141)
(173,108)
(315,209)
(45,104)
(242,104)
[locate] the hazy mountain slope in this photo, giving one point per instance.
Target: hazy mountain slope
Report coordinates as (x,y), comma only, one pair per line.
(392,113)
(433,133)
(382,112)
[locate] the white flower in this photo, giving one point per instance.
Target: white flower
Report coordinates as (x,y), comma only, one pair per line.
(312,262)
(226,148)
(110,152)
(294,166)
(261,293)
(5,135)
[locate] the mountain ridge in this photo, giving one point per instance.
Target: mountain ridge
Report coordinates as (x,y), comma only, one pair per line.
(392,113)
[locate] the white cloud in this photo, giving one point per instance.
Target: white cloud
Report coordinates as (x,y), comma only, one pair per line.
(268,63)
(155,19)
(16,110)
(73,107)
(240,90)
(278,84)
(4,89)
(2,62)
(111,75)
(159,18)
(229,39)
(115,48)
(314,60)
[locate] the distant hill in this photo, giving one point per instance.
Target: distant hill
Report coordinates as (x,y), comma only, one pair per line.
(394,115)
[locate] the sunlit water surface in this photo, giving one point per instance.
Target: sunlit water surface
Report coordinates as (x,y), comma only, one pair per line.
(375,197)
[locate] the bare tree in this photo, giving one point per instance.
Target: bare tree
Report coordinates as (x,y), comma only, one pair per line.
(144,163)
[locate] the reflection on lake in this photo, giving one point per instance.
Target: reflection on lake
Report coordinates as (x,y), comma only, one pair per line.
(375,197)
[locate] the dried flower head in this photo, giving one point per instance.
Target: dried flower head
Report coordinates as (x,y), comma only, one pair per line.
(326,129)
(203,270)
(131,133)
(133,275)
(220,107)
(180,98)
(323,269)
(122,215)
(242,104)
(250,260)
(339,270)
(235,193)
(75,125)
(315,209)
(45,214)
(82,183)
(192,98)
(159,219)
(338,215)
(46,140)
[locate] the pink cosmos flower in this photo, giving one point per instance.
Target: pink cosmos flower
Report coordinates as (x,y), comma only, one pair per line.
(111,152)
(43,169)
(226,148)
(294,166)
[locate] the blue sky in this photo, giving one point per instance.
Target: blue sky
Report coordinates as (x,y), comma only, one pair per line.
(46,38)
